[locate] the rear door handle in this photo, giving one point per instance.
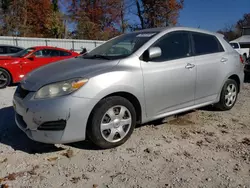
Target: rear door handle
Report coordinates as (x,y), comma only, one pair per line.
(189,66)
(223,60)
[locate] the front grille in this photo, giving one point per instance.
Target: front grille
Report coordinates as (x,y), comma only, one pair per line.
(22,92)
(53,126)
(21,121)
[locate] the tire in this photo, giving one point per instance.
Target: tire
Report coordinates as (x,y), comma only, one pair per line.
(5,78)
(112,122)
(224,103)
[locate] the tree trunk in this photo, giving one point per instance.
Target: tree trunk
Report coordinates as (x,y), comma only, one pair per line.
(139,13)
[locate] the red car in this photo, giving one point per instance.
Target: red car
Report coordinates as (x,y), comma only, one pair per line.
(14,68)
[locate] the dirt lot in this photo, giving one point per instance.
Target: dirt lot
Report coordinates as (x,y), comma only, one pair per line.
(203,148)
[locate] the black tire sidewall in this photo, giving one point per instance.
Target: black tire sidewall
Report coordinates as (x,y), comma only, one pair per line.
(222,103)
(93,129)
(8,78)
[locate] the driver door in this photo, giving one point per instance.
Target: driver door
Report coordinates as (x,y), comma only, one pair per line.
(169,80)
(38,59)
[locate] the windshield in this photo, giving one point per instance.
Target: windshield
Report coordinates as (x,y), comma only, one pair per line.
(121,46)
(23,52)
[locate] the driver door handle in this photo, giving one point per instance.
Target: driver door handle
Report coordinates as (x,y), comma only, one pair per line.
(190,66)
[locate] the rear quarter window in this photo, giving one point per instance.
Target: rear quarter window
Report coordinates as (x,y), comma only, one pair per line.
(234,45)
(206,44)
(64,53)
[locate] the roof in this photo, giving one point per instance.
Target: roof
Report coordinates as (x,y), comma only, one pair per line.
(49,47)
(242,39)
(161,29)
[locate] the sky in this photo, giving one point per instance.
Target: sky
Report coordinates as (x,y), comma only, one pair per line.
(207,14)
(212,14)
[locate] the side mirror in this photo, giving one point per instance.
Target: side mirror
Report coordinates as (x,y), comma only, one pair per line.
(31,57)
(151,53)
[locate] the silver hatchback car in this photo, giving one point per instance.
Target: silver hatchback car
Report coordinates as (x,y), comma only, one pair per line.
(134,78)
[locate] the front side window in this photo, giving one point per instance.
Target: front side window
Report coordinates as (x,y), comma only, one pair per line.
(234,45)
(47,53)
(174,46)
(121,46)
(206,44)
(24,52)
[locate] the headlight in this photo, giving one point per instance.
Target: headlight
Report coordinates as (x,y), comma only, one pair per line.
(60,88)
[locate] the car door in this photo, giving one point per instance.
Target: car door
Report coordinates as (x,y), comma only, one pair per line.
(210,59)
(169,81)
(35,60)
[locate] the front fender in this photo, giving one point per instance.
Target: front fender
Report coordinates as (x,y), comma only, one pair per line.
(14,69)
(100,86)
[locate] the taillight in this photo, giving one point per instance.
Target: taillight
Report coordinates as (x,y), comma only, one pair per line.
(241,59)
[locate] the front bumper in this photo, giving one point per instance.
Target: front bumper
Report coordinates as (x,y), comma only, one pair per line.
(31,114)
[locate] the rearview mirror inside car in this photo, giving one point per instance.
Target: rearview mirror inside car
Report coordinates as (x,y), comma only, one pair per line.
(151,53)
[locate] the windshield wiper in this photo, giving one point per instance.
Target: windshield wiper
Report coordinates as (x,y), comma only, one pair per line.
(97,56)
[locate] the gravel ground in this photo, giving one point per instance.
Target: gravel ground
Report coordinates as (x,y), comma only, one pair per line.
(202,148)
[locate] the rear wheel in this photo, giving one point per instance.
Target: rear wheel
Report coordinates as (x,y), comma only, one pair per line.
(112,122)
(229,95)
(5,78)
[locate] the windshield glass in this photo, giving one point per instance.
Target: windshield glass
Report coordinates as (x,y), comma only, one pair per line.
(121,46)
(234,45)
(23,52)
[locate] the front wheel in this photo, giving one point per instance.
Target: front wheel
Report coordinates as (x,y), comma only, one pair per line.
(5,78)
(112,122)
(229,95)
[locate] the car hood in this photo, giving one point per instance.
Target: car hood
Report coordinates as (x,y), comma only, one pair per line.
(64,70)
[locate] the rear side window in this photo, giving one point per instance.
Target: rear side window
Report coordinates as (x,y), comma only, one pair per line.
(206,44)
(3,50)
(14,49)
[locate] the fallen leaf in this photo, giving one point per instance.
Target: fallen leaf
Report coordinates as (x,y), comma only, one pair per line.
(69,153)
(75,179)
(52,159)
(12,176)
(115,175)
(4,160)
(4,186)
(95,186)
(208,139)
(199,143)
(224,131)
(1,180)
(148,150)
(246,141)
(187,154)
(85,177)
